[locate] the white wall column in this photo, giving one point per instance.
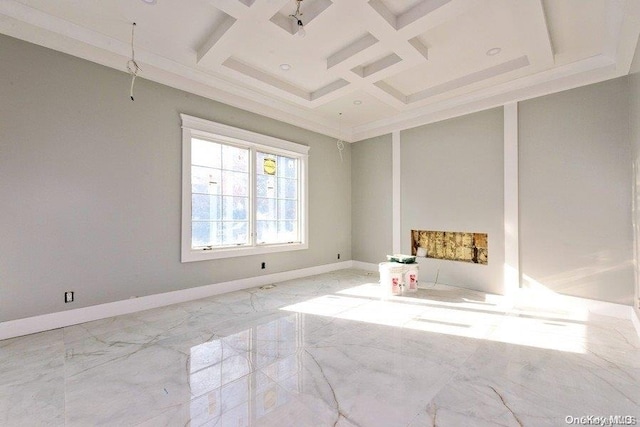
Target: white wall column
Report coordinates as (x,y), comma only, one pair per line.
(396,189)
(511,224)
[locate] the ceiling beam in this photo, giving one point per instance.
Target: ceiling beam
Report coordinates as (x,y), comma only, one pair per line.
(242,15)
(351,50)
(531,20)
(623,30)
(215,37)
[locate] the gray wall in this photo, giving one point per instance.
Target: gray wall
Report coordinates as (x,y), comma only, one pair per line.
(90,186)
(452,180)
(371,199)
(634,119)
(575,192)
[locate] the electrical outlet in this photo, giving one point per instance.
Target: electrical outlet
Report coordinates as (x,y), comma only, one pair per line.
(264,265)
(68,296)
(338,256)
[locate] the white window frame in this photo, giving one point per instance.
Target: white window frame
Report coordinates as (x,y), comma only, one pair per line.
(193,127)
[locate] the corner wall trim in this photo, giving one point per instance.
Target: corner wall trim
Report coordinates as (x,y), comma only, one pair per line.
(46,322)
(396,184)
(511,201)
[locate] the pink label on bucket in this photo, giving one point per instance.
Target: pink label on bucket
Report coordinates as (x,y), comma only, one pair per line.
(412,281)
(395,285)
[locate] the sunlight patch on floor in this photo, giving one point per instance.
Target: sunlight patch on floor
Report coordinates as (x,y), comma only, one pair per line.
(535,322)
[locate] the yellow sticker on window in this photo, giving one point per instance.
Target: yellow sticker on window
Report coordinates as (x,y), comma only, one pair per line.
(269,166)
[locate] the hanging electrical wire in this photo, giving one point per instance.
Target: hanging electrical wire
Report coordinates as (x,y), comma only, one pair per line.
(297,16)
(339,142)
(340,145)
(132,65)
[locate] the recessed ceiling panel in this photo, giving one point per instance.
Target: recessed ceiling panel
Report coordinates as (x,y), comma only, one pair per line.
(357,109)
(459,48)
(287,17)
(266,78)
(266,46)
(398,7)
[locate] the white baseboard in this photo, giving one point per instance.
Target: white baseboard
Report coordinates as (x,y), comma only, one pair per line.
(535,297)
(636,321)
(46,322)
(366,266)
(610,309)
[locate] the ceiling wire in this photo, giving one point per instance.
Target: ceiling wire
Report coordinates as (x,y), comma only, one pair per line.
(132,65)
(297,16)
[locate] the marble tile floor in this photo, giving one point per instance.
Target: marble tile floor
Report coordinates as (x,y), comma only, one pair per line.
(326,351)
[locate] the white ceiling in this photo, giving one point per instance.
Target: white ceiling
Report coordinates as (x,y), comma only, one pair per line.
(408,62)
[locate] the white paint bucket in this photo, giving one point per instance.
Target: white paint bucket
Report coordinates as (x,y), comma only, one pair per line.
(391,278)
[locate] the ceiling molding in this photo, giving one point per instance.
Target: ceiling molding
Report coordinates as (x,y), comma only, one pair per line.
(215,36)
(351,50)
(376,66)
(469,79)
(374,56)
(419,47)
(170,73)
(622,43)
(417,12)
(591,70)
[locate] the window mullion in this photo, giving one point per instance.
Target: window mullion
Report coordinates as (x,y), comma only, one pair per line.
(277,193)
(253,203)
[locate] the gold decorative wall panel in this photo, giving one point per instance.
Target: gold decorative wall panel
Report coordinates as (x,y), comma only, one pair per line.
(450,245)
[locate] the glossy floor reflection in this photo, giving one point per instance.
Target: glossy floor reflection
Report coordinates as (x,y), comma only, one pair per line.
(326,351)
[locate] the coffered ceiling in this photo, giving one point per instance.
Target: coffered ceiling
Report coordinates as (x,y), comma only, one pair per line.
(384,64)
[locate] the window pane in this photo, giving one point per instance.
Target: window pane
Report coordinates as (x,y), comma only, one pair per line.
(287,209)
(235,183)
(235,233)
(205,180)
(279,201)
(205,153)
(266,209)
(235,159)
(235,208)
(204,207)
(205,233)
(266,164)
(267,231)
(288,167)
(266,186)
(287,188)
(288,231)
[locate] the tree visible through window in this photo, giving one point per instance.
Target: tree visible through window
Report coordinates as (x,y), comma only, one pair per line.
(243,193)
(220,194)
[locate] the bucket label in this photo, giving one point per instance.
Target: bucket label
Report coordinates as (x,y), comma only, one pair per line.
(395,285)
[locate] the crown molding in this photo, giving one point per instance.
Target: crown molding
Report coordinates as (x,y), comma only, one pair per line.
(580,73)
(29,24)
(26,23)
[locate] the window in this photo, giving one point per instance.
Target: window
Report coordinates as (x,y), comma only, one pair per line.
(243,193)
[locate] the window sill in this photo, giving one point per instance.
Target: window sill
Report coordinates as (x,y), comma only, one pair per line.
(191,255)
